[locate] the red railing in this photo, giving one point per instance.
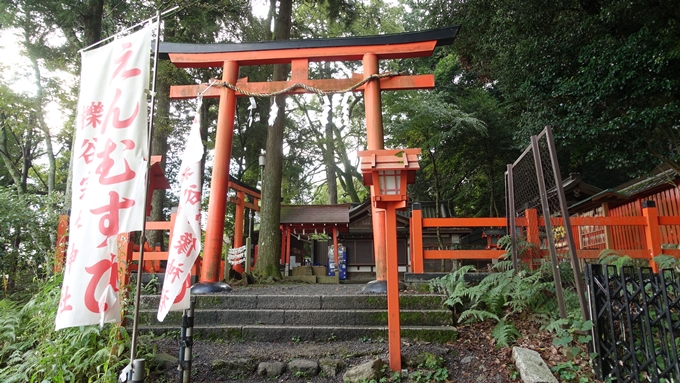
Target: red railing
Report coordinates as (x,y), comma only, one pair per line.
(128,251)
(634,236)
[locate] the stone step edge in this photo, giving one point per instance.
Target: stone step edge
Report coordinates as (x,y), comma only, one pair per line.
(313,311)
(326,302)
(278,333)
(283,296)
(305,327)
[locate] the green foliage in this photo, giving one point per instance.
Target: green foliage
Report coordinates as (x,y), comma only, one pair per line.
(440,374)
(667,262)
(601,73)
(569,334)
(300,374)
(450,282)
(26,225)
(32,351)
(505,333)
(506,294)
(611,257)
(568,372)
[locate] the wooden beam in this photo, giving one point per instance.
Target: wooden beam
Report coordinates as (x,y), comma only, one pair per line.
(247,204)
(599,221)
(462,254)
(151,256)
(158,225)
(183,92)
(285,56)
(463,222)
(494,254)
(237,187)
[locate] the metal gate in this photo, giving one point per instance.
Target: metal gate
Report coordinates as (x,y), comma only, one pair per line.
(637,323)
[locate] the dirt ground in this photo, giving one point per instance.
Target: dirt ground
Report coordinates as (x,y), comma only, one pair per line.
(472,358)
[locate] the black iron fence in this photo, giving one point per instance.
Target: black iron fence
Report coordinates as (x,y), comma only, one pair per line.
(637,323)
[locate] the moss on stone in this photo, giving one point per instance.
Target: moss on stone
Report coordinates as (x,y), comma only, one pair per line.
(420,301)
(425,360)
(379,301)
(379,317)
(430,335)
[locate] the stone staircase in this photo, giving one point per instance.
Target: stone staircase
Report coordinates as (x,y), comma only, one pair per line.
(278,318)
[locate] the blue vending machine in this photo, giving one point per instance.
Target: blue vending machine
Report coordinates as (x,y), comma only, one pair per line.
(342,260)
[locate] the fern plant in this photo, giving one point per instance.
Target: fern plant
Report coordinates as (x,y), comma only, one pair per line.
(667,262)
(611,257)
(505,333)
(506,294)
(32,351)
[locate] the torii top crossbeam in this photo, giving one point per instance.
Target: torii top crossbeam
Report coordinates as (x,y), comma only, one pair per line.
(393,46)
(298,53)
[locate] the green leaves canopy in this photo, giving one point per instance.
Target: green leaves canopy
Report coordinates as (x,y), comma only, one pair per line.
(602,73)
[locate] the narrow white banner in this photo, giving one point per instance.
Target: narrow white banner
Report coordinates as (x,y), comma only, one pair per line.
(185,243)
(109,172)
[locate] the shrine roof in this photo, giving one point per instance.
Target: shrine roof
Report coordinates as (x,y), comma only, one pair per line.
(664,176)
(442,36)
(316,214)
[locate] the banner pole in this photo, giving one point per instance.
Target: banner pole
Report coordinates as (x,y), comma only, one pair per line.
(140,266)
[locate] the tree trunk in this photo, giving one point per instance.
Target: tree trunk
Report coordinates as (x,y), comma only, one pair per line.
(435,174)
(159,146)
(347,175)
(4,153)
(26,150)
(270,236)
(329,159)
(51,161)
(93,22)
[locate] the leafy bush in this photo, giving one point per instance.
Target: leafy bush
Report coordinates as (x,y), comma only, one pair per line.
(32,351)
(28,225)
(667,262)
(506,294)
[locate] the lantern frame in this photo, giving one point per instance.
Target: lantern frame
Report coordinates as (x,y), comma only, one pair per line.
(393,169)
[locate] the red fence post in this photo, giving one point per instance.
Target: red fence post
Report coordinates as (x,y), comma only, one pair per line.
(417,262)
(533,237)
(238,227)
(125,253)
(62,242)
(393,317)
(652,233)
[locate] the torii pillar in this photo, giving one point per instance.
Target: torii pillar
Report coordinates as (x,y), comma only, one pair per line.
(375,140)
(369,49)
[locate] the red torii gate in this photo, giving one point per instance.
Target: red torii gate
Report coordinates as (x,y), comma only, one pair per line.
(241,203)
(370,50)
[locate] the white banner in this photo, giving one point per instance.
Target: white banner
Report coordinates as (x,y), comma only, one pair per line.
(109,173)
(185,243)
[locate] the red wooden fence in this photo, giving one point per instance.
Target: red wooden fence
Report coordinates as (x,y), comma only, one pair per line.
(638,232)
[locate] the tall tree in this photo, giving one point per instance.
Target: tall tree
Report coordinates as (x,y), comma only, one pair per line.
(601,73)
(270,236)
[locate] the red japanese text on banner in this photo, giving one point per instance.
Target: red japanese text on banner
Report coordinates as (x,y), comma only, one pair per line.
(109,174)
(185,243)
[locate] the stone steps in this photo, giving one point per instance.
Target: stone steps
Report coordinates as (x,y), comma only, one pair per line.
(278,318)
(283,333)
(305,302)
(206,317)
